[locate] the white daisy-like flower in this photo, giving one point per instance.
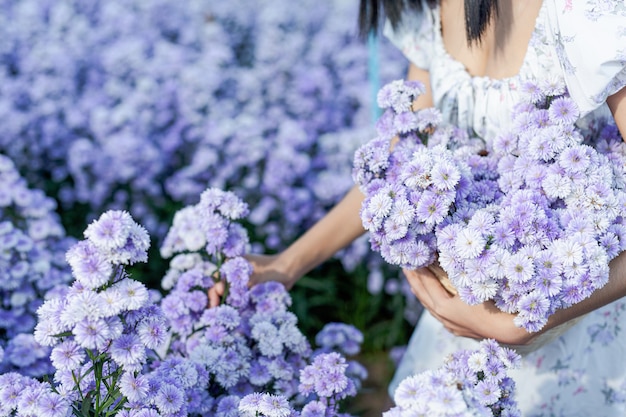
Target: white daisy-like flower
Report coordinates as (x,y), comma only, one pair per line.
(445,176)
(469,243)
(134,294)
(520,268)
(402,211)
(380,204)
(477,361)
(569,251)
(484,290)
(112,302)
(557,186)
(82,305)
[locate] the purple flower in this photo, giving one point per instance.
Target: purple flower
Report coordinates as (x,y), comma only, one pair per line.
(488,392)
(128,352)
(274,406)
(314,409)
(51,404)
(134,387)
(563,110)
(405,122)
(345,338)
(67,355)
(111,231)
(431,209)
(169,399)
(228,406)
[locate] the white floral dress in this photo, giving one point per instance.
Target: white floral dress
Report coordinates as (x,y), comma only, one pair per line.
(583,371)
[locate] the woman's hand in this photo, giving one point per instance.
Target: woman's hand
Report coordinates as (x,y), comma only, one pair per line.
(461,319)
(265,268)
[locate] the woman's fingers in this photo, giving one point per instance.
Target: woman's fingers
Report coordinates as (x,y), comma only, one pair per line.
(415,280)
(215,294)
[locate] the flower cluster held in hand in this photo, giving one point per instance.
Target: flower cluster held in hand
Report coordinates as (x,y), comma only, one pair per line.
(410,189)
(548,242)
(471,383)
(250,343)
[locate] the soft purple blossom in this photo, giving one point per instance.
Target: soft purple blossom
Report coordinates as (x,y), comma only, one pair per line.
(134,387)
(67,355)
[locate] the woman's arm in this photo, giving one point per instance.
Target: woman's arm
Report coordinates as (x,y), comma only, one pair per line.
(485,320)
(333,232)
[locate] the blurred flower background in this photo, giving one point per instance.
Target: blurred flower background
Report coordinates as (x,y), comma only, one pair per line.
(141,105)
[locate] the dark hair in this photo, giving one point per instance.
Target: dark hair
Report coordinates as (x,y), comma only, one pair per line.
(477,14)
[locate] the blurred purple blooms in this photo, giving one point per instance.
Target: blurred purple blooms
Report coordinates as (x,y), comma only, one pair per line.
(33,268)
(137,105)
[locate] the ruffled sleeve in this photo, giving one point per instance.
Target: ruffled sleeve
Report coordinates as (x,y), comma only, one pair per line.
(414,35)
(590,41)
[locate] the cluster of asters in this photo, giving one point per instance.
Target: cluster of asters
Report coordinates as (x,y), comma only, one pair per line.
(324,381)
(411,188)
(104,331)
(250,343)
(116,351)
(33,244)
(546,244)
(471,383)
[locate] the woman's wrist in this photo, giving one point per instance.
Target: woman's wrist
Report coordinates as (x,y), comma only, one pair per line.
(289,265)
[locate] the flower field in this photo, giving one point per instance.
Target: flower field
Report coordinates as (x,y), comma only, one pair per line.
(149,147)
(115,118)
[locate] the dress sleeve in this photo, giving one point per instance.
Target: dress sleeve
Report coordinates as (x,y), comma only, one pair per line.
(414,35)
(590,41)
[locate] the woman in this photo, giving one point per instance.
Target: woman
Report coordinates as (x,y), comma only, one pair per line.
(472,58)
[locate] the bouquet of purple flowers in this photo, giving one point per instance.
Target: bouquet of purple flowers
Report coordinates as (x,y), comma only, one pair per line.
(411,188)
(546,244)
(471,383)
(531,223)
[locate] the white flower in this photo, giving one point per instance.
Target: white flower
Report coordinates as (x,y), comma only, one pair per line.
(112,302)
(402,211)
(557,186)
(82,305)
(520,268)
(134,294)
(380,204)
(484,290)
(477,361)
(469,244)
(499,262)
(568,251)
